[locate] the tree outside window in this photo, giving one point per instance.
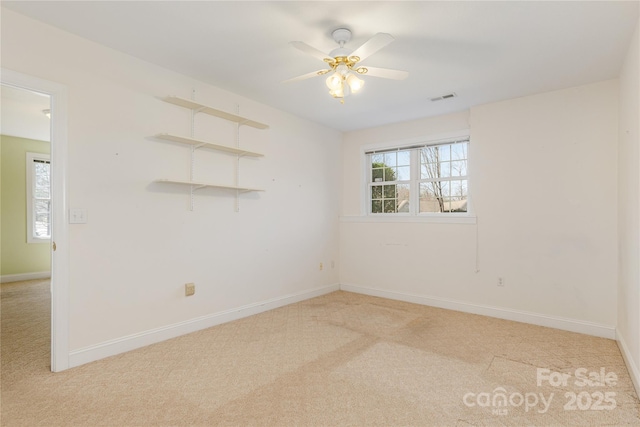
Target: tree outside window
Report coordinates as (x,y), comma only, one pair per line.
(443,180)
(390,176)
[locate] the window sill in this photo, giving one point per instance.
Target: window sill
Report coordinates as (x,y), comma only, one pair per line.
(430,219)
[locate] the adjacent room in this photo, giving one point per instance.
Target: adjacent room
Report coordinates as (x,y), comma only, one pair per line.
(320,213)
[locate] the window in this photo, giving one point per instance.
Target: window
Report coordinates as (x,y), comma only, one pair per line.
(420,179)
(38,197)
(391,177)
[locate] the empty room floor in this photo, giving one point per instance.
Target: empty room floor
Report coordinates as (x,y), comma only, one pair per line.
(341,359)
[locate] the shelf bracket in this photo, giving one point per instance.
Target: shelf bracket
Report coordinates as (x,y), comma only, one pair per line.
(193,154)
(238,156)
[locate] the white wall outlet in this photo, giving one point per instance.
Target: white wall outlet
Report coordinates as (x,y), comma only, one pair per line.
(189,289)
(501,281)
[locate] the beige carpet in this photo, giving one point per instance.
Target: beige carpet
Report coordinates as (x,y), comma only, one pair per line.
(338,360)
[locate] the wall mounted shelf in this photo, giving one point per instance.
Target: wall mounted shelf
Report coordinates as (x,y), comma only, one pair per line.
(199,185)
(204,144)
(194,144)
(201,108)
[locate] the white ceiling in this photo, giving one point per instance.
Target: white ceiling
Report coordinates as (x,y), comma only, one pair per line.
(482,51)
(21,114)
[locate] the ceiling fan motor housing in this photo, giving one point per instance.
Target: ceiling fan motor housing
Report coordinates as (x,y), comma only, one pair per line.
(341,36)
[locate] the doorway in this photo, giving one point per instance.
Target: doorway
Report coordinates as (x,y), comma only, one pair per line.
(25,249)
(57,246)
(26,195)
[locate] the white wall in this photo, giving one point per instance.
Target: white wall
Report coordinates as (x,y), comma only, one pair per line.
(141,244)
(628,327)
(543,183)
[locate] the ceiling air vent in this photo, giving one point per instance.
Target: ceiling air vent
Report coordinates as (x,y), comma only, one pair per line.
(447,96)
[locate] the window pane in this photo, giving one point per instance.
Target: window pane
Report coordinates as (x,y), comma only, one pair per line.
(42,180)
(376,206)
(389,174)
(431,171)
(445,170)
(389,206)
(377,158)
(390,159)
(459,168)
(424,172)
(376,192)
(429,205)
(389,191)
(403,197)
(445,188)
(404,158)
(42,215)
(444,152)
(459,151)
(459,189)
(429,155)
(458,205)
(404,173)
(377,175)
(431,199)
(427,189)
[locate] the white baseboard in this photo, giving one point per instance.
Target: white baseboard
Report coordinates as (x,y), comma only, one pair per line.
(142,339)
(25,276)
(633,369)
(572,325)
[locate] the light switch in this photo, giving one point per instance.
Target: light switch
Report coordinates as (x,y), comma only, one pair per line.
(77,216)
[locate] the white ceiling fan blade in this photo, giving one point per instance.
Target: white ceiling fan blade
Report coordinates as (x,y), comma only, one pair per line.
(310,50)
(308,75)
(385,73)
(372,45)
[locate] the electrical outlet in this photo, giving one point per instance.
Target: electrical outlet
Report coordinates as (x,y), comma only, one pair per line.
(189,289)
(501,281)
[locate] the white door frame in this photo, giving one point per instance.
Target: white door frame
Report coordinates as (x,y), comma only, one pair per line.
(59,210)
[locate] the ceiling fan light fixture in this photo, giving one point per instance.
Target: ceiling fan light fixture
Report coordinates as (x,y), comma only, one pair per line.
(354,82)
(334,81)
(343,70)
(337,92)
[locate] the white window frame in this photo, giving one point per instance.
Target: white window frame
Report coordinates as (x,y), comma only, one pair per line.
(413,215)
(31,157)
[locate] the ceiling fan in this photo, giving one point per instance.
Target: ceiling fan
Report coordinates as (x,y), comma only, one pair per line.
(343,63)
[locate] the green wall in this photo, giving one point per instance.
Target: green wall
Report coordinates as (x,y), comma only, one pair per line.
(17,256)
